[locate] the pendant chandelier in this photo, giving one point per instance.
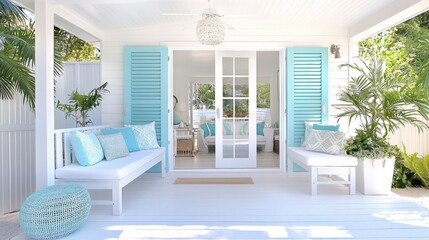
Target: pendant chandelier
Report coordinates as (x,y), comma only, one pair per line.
(210,29)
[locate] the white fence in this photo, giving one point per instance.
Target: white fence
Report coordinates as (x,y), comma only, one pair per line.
(412,140)
(17,150)
(83,76)
(17,140)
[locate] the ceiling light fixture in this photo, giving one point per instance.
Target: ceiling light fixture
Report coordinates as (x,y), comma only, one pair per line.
(210,29)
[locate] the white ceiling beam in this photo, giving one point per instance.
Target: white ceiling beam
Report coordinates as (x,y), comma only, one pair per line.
(397,12)
(72,22)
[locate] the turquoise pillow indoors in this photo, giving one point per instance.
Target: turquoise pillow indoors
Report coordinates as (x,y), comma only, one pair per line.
(87,148)
(326,127)
(205,129)
(212,129)
(260,128)
(128,135)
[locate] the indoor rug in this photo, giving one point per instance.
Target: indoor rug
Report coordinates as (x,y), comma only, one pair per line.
(218,180)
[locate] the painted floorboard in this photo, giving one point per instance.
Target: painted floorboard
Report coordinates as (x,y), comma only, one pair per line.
(275,207)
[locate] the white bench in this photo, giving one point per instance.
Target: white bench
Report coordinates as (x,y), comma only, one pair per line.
(324,164)
(112,175)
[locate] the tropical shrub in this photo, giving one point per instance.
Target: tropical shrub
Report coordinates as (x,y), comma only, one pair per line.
(419,165)
(80,105)
(381,103)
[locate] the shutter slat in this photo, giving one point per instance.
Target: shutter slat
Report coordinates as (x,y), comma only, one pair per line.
(146,90)
(306,90)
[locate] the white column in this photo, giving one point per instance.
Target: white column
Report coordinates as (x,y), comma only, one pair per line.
(44,24)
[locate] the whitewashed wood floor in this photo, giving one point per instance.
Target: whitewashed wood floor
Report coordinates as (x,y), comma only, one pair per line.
(275,207)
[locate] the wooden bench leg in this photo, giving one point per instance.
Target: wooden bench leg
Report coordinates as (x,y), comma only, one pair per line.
(117,199)
(352,180)
(313,181)
(163,168)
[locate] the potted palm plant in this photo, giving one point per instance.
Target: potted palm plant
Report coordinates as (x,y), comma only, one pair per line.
(380,103)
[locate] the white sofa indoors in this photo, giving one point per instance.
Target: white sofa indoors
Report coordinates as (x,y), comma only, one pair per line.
(112,175)
(264,140)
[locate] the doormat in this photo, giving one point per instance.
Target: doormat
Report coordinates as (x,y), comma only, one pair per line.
(240,180)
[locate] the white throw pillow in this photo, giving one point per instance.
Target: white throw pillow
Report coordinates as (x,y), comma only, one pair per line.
(325,141)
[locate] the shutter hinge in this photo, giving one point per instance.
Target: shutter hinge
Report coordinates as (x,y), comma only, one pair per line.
(168,58)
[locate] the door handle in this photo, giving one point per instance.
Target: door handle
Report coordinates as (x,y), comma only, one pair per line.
(218,113)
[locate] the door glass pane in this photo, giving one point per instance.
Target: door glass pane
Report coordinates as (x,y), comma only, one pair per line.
(228,108)
(241,108)
(242,66)
(228,87)
(227,66)
(228,148)
(242,148)
(242,87)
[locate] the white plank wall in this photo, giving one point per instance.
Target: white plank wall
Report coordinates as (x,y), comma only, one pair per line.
(17,144)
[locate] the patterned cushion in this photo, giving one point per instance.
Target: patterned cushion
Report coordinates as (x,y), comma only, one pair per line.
(113,145)
(87,148)
(145,136)
(325,141)
(307,127)
(128,135)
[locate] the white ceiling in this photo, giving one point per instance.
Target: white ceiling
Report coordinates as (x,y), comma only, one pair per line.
(267,16)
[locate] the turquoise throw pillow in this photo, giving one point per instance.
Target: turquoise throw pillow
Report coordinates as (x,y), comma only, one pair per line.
(326,127)
(145,136)
(87,148)
(113,145)
(212,129)
(176,118)
(260,128)
(128,135)
(205,129)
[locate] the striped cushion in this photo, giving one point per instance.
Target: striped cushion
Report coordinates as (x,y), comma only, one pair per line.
(145,136)
(325,141)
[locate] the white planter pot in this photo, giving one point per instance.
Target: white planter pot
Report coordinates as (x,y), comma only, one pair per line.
(374,176)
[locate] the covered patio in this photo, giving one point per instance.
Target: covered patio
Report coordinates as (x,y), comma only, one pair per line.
(274,207)
(277,205)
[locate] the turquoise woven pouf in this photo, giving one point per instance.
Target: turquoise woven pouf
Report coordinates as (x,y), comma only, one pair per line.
(55,211)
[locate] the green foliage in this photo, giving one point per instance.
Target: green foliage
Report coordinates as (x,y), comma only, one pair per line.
(80,105)
(419,165)
(382,102)
(73,48)
(263,95)
(402,176)
(204,96)
(364,145)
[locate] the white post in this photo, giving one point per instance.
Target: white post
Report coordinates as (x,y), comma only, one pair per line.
(44,24)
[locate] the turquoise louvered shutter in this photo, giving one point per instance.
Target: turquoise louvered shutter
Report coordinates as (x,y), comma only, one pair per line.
(146,89)
(307,90)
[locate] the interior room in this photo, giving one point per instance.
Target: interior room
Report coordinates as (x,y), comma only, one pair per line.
(194,116)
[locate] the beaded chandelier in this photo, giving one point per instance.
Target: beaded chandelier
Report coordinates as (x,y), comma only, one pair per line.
(210,29)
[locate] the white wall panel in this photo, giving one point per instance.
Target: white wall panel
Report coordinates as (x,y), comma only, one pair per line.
(17,144)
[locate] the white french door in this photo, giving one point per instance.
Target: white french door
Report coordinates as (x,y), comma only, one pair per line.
(235,110)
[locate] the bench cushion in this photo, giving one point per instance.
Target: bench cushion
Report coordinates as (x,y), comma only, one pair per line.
(318,159)
(109,170)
